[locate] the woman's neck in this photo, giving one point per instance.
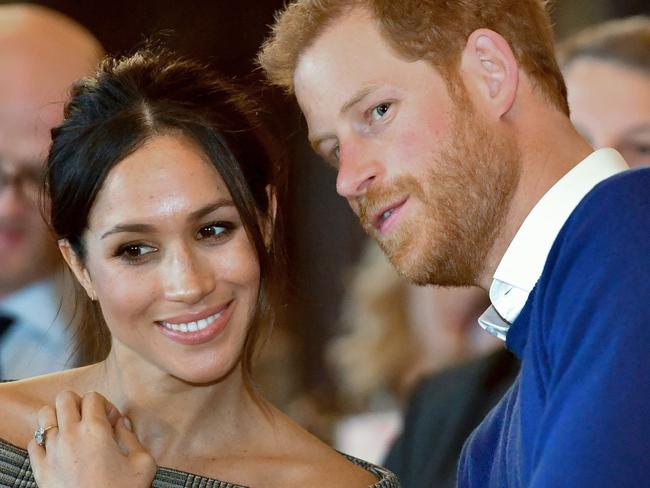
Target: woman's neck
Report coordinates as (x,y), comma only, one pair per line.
(166,411)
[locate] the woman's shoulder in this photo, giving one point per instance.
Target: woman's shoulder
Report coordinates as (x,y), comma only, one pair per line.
(384,477)
(314,463)
(20,402)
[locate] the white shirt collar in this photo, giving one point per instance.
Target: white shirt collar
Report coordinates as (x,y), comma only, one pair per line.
(523,261)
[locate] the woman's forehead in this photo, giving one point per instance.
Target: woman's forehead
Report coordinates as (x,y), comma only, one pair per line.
(167,177)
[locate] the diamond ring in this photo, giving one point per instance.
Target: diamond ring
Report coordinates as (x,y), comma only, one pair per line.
(40,433)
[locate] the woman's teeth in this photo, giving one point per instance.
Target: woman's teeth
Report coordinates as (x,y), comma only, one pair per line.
(192,326)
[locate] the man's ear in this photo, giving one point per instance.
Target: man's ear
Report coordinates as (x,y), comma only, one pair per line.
(77,267)
(490,70)
(269,221)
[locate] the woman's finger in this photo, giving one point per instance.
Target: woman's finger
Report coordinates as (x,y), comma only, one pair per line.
(47,428)
(36,459)
(112,413)
(94,406)
(125,437)
(68,405)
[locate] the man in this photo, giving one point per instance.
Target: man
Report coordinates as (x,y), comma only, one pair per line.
(448,125)
(607,72)
(41,54)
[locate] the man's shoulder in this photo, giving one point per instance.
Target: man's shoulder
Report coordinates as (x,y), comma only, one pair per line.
(622,193)
(599,265)
(614,215)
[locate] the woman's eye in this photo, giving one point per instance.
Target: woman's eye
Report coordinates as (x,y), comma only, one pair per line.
(133,252)
(380,110)
(214,230)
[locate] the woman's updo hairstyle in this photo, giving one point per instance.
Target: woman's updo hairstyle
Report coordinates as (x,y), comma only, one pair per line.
(155,92)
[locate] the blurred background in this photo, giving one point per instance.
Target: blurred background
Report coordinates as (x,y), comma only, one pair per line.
(299,368)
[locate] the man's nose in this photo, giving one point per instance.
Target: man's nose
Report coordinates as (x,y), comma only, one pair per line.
(12,199)
(359,168)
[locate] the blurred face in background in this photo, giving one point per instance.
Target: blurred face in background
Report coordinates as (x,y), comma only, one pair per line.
(27,249)
(610,106)
(41,54)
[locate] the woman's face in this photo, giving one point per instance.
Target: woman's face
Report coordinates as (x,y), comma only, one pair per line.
(170,262)
(610,106)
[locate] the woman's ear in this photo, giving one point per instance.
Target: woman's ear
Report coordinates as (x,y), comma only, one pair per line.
(269,222)
(77,267)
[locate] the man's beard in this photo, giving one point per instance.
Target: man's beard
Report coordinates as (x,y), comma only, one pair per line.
(464,197)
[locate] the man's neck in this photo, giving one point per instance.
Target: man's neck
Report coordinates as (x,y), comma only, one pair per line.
(547,154)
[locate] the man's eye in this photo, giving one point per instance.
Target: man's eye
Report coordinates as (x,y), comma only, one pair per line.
(642,148)
(133,252)
(380,110)
(336,151)
(215,230)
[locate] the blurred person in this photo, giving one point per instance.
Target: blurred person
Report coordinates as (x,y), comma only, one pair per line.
(443,410)
(607,71)
(394,333)
(166,202)
(41,54)
(448,125)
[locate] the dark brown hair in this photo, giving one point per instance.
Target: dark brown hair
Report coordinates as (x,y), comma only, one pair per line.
(434,30)
(622,41)
(127,102)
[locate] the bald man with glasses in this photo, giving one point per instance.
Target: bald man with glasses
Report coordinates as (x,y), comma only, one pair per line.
(41,54)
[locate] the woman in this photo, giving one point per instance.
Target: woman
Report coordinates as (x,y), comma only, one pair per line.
(607,72)
(163,199)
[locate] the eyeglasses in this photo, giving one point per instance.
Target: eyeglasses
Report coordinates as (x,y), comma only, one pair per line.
(28,180)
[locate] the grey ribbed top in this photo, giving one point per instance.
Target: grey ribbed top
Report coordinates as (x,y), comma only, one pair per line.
(16,472)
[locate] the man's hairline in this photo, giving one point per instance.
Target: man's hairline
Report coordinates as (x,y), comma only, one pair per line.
(346,12)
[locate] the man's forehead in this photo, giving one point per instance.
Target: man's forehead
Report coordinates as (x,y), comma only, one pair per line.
(348,40)
(25,133)
(350,56)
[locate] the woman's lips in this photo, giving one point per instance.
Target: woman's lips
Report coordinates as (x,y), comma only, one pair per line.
(194,329)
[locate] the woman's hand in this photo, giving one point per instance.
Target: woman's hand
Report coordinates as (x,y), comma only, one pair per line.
(89,445)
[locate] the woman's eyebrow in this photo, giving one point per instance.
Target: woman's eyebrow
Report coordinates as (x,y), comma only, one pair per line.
(210,207)
(194,215)
(128,228)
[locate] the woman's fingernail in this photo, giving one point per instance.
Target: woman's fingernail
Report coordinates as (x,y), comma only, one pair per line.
(127,423)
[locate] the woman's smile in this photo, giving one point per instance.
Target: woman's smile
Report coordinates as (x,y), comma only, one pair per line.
(200,329)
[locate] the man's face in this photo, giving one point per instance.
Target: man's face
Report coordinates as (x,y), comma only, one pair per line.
(27,250)
(610,106)
(428,178)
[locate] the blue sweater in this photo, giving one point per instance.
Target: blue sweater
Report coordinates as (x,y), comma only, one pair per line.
(579,413)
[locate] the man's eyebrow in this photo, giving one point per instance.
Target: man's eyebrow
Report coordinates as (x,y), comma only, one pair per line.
(357,97)
(362,93)
(195,215)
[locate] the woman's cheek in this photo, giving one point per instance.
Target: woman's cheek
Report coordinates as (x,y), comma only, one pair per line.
(124,295)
